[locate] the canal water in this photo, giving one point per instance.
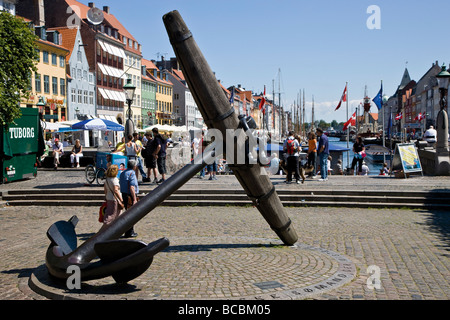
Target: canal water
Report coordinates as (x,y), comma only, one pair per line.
(374,168)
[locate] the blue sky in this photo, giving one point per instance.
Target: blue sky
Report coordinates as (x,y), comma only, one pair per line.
(317,45)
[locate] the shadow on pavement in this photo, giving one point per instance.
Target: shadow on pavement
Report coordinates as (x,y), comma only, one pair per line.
(21,273)
(210,247)
(438,222)
(65,186)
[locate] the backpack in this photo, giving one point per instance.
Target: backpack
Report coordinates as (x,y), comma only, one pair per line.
(290,146)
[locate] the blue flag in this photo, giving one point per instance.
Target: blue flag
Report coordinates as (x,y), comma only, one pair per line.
(378,100)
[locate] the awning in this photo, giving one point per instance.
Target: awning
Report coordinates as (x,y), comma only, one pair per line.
(111,71)
(112,94)
(111,49)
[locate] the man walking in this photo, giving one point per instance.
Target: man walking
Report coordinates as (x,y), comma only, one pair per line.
(139,159)
(129,188)
(160,154)
(292,148)
(324,152)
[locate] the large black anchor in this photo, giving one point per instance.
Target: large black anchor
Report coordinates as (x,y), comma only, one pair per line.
(125,260)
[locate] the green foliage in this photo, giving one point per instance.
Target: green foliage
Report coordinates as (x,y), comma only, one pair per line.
(18,61)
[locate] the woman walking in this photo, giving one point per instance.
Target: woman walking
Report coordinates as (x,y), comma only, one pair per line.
(114,201)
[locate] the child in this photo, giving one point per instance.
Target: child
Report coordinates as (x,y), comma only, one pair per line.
(339,167)
(329,165)
(384,171)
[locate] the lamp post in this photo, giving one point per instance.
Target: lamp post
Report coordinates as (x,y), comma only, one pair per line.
(442,152)
(41,105)
(129,94)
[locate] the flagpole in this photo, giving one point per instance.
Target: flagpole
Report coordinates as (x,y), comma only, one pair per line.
(348,130)
(384,136)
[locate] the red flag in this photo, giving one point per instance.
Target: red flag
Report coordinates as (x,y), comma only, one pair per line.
(343,98)
(419,117)
(263,100)
(399,116)
(350,122)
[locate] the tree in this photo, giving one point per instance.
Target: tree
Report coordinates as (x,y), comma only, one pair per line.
(18,61)
(334,124)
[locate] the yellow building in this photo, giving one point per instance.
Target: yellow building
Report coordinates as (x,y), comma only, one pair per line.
(164,99)
(49,81)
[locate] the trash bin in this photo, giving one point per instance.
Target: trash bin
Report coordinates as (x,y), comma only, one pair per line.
(21,143)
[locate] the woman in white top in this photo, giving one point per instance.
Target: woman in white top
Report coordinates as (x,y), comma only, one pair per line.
(131,149)
(114,201)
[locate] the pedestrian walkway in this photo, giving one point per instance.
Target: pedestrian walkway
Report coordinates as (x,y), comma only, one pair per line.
(231,252)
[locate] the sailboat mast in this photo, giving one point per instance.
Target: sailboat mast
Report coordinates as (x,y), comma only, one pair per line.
(303,113)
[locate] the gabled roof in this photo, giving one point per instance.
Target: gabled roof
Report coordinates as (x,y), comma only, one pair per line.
(179,74)
(109,18)
(68,38)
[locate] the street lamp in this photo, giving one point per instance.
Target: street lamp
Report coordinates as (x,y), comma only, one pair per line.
(443,80)
(41,105)
(129,94)
(442,152)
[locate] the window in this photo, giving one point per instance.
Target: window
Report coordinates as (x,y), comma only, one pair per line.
(46,84)
(91,97)
(91,78)
(85,74)
(62,86)
(54,59)
(55,86)
(79,56)
(38,52)
(62,60)
(80,96)
(85,97)
(37,82)
(74,73)
(74,95)
(79,73)
(45,56)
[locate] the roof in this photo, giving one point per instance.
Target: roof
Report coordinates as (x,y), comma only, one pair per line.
(148,64)
(52,44)
(68,38)
(24,19)
(109,18)
(179,74)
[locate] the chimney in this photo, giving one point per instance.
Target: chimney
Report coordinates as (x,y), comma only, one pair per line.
(91,5)
(40,13)
(106,9)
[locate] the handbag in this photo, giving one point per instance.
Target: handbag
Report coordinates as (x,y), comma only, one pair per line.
(101,212)
(119,203)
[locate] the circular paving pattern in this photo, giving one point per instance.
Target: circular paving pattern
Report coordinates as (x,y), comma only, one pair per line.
(220,268)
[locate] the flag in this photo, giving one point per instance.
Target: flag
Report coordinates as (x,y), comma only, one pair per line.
(378,100)
(232,95)
(343,98)
(419,117)
(350,122)
(263,100)
(399,116)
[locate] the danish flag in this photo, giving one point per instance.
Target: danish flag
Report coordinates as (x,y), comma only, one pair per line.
(350,122)
(399,116)
(343,98)
(419,117)
(263,102)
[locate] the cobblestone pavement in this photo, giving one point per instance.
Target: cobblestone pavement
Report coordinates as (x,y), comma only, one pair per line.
(231,253)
